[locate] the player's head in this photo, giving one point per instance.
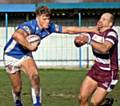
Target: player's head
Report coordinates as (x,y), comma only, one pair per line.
(43,16)
(106,21)
(43,10)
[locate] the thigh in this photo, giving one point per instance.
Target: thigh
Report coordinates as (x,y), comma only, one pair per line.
(29,67)
(11,64)
(88,86)
(15,79)
(99,95)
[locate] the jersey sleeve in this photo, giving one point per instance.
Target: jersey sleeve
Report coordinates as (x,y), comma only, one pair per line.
(112,37)
(27,27)
(55,28)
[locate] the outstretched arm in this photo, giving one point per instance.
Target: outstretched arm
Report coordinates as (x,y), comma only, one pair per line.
(73,29)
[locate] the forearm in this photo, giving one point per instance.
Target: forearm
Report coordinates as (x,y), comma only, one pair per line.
(73,30)
(101,47)
(21,40)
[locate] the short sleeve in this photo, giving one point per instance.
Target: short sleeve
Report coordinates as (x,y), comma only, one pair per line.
(55,28)
(26,27)
(112,37)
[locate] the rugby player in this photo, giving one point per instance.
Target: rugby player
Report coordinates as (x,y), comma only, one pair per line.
(18,52)
(103,76)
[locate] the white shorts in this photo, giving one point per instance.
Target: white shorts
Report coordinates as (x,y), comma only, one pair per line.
(12,64)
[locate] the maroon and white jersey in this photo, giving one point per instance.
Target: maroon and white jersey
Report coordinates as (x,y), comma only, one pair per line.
(108,61)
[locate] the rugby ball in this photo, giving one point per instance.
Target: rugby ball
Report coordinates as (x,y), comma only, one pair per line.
(33,39)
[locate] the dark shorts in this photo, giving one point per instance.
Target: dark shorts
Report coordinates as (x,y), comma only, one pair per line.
(103,78)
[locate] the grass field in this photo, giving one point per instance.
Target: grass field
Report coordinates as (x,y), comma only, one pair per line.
(60,87)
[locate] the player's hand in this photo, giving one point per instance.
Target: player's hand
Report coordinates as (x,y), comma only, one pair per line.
(95,29)
(99,24)
(33,47)
(80,40)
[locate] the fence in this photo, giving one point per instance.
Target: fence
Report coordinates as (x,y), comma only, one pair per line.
(57,50)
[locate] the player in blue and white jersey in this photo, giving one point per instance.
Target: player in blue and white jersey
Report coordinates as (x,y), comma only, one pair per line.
(18,52)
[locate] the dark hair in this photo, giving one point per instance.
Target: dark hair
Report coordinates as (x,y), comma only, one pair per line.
(43,10)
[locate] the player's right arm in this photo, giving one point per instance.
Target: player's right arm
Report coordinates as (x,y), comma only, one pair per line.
(74,29)
(20,37)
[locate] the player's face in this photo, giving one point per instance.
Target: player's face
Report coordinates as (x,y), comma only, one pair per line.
(44,21)
(104,21)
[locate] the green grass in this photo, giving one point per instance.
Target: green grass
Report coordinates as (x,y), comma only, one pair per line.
(60,87)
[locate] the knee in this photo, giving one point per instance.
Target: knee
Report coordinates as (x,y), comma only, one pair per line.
(82,99)
(35,79)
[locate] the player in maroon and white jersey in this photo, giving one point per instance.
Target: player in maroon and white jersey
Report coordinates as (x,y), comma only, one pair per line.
(103,75)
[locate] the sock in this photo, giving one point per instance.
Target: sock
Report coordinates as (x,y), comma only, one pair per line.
(16,97)
(36,98)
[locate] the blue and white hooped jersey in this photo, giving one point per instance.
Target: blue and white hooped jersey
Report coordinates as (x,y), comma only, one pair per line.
(16,50)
